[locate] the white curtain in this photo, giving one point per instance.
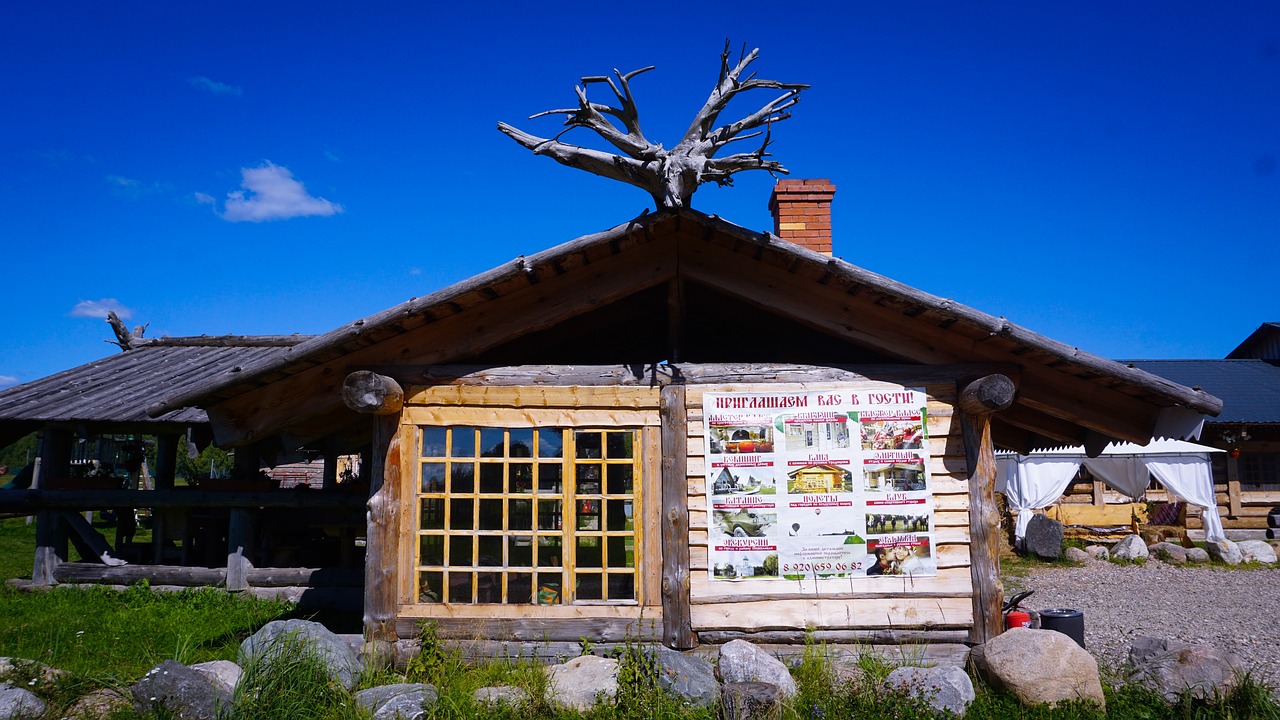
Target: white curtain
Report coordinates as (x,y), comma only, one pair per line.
(1190,479)
(1033,483)
(1128,474)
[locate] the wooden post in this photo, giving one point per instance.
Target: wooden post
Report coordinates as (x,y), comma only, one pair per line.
(976,403)
(382,539)
(330,480)
(677,625)
(1233,486)
(241,528)
(54,460)
(166,472)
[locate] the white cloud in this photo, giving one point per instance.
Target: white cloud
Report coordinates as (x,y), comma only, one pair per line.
(123,181)
(271,193)
(214,86)
(7,380)
(205,198)
(99,309)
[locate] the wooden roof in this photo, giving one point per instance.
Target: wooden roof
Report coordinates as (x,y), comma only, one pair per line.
(116,390)
(679,285)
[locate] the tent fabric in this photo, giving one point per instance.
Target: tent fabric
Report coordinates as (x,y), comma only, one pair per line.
(1030,482)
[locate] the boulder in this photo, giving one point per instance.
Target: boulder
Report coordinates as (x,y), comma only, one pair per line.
(1225,551)
(383,701)
(944,688)
(1039,666)
(1197,555)
(1168,552)
(1044,537)
(1098,552)
(1130,549)
(16,702)
(500,696)
(1076,555)
(686,676)
(751,701)
(1172,668)
(740,661)
(224,673)
(19,672)
(1259,551)
(582,682)
(411,705)
(100,703)
(281,639)
(174,689)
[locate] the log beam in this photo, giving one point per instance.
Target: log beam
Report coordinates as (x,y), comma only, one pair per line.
(978,400)
(382,534)
(368,392)
(677,626)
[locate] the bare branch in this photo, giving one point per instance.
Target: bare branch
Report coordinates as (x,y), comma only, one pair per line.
(614,167)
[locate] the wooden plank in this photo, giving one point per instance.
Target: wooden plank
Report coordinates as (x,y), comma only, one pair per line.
(950,582)
(988,592)
(924,654)
(887,636)
(651,515)
(382,536)
(441,611)
(539,396)
(521,629)
(1233,486)
(952,613)
(676,518)
(527,417)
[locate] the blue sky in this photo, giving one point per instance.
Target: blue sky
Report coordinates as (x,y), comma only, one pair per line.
(1107,174)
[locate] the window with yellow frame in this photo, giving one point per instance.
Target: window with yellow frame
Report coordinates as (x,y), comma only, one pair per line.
(517,516)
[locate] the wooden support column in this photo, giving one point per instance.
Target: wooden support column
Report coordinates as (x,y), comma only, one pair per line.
(978,400)
(330,478)
(241,528)
(54,460)
(166,471)
(1233,486)
(677,625)
(381,396)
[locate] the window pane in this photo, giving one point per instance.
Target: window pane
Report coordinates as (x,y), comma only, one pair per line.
(588,514)
(520,514)
(521,442)
(550,443)
(489,587)
(490,551)
(549,477)
(432,477)
(460,515)
(460,552)
(520,476)
(589,553)
(519,588)
(431,550)
(491,442)
(619,515)
(520,551)
(619,479)
(619,445)
(549,588)
(621,552)
(432,514)
(460,587)
(463,478)
(490,478)
(622,587)
(588,444)
(589,479)
(490,514)
(550,552)
(589,588)
(549,515)
(433,442)
(430,587)
(464,442)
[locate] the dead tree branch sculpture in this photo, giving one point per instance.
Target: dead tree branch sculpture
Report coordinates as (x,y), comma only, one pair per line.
(670,176)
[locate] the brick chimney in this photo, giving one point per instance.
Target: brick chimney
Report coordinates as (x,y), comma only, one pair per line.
(802,212)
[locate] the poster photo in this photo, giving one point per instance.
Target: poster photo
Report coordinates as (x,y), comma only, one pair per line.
(909,555)
(818,479)
(819,432)
(734,481)
(887,473)
(745,563)
(736,434)
(902,429)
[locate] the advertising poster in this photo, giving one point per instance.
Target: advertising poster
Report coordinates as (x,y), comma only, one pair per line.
(818,484)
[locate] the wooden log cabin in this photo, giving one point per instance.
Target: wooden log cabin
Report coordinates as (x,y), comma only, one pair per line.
(543,444)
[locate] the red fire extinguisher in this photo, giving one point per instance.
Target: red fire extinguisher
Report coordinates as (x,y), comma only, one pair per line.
(1014,615)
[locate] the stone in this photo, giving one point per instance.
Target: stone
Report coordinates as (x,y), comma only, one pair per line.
(100,703)
(1098,552)
(1044,537)
(686,676)
(740,661)
(1172,668)
(1040,666)
(1225,551)
(16,702)
(751,701)
(500,696)
(19,672)
(944,688)
(1197,555)
(283,638)
(1130,549)
(374,698)
(224,673)
(1168,552)
(179,691)
(1076,555)
(411,705)
(1258,551)
(582,682)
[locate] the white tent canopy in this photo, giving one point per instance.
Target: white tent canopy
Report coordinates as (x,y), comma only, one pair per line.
(1037,480)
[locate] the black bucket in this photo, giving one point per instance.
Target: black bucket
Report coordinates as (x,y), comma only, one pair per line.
(1066,621)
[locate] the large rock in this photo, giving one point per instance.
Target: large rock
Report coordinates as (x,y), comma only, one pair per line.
(1130,549)
(751,701)
(16,702)
(404,700)
(1173,668)
(1225,551)
(1197,555)
(101,703)
(1076,555)
(282,639)
(497,696)
(582,682)
(945,688)
(1044,537)
(18,672)
(1168,552)
(224,673)
(1039,666)
(740,661)
(1098,552)
(686,676)
(1259,551)
(179,691)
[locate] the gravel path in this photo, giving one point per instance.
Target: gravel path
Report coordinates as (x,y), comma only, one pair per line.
(1232,609)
